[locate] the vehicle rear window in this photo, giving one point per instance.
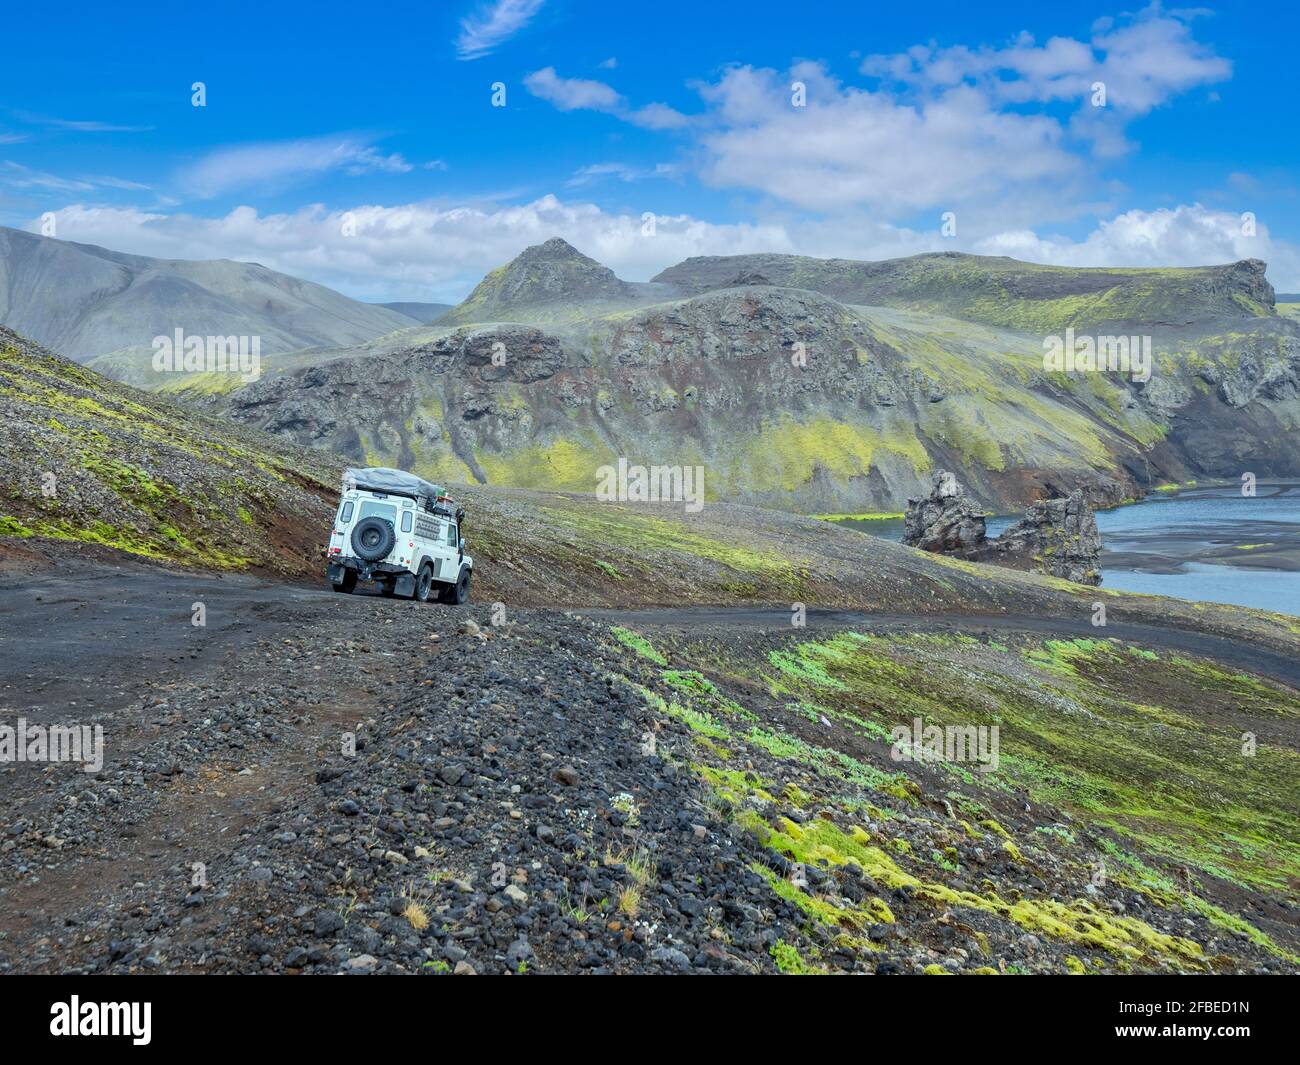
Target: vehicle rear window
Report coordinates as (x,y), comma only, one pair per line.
(345,515)
(371,509)
(406,521)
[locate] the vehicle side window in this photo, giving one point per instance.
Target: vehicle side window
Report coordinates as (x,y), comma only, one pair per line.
(345,515)
(406,521)
(451,535)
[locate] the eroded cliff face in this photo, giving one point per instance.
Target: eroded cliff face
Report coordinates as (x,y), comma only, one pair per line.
(789,397)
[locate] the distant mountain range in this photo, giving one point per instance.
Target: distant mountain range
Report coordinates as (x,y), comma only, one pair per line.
(424,313)
(103,307)
(807,384)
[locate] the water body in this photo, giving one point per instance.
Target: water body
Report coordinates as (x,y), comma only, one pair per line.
(1211,544)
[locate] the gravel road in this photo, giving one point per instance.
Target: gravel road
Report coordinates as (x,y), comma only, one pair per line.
(311,782)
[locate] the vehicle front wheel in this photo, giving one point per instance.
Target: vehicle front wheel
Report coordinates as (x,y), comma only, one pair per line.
(423,584)
(349,583)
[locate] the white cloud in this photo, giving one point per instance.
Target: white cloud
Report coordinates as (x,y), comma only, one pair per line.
(95,127)
(1143,62)
(583,94)
(437,252)
(573,94)
(228,169)
(1187,235)
(492,25)
(18,176)
(943,128)
(21,177)
(657,116)
(622,171)
(415,251)
(849,147)
(79,125)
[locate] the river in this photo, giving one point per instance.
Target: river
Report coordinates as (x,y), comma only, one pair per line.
(1211,544)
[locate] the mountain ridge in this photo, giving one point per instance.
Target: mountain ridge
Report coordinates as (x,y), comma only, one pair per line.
(998,290)
(88,302)
(884,393)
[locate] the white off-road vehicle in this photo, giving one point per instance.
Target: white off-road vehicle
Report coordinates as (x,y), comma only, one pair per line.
(403,533)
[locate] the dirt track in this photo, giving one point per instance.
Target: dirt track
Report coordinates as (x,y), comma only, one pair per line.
(93,635)
(216,736)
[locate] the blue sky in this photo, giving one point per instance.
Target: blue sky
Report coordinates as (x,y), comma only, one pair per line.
(359,146)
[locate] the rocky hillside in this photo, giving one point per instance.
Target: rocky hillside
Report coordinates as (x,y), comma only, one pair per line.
(90,303)
(90,461)
(789,396)
(814,385)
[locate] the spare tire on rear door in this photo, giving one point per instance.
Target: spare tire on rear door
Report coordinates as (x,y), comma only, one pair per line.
(373,538)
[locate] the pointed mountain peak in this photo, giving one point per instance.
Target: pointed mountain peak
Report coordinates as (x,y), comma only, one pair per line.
(555,246)
(551,272)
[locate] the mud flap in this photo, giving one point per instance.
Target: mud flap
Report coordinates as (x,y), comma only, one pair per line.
(405,585)
(336,572)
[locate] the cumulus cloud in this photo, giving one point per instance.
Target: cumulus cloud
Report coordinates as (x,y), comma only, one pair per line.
(492,25)
(948,127)
(284,162)
(849,147)
(1187,235)
(1143,60)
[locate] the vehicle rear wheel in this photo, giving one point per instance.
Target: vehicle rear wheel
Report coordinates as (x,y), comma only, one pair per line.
(458,594)
(349,583)
(423,584)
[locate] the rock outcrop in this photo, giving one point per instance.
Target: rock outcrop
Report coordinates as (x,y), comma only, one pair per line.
(945,521)
(1056,536)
